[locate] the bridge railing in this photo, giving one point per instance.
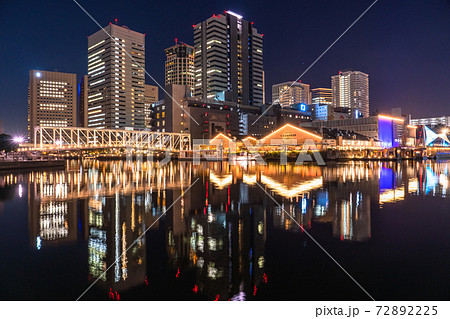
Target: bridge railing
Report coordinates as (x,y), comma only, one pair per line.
(86,138)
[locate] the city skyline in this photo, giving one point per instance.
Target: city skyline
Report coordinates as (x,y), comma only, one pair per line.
(67,58)
(249,151)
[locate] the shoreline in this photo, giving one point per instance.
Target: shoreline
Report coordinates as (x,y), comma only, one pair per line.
(35,164)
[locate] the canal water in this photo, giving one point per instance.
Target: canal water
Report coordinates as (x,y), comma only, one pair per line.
(109,230)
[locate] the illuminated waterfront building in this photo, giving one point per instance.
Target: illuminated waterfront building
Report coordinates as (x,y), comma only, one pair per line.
(390,131)
(116,64)
(52,100)
(180,65)
(351,90)
(228,60)
(289,93)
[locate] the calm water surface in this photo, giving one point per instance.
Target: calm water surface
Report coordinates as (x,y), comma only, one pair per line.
(223,237)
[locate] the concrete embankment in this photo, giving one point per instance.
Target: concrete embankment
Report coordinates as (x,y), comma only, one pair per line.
(25,165)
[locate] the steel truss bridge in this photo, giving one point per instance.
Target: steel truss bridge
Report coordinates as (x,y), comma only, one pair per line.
(79,138)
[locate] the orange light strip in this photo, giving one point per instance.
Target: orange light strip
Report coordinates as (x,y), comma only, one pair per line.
(411,126)
(250,137)
(220,134)
(391,118)
(294,127)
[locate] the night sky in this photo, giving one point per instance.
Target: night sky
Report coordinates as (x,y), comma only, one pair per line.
(404,45)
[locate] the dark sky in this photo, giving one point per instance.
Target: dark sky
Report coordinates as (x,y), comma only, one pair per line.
(404,45)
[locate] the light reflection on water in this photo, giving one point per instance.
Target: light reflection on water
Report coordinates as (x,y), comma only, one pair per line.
(217,231)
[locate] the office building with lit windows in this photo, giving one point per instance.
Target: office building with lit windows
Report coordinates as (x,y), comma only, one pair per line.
(150,98)
(228,60)
(116,64)
(322,96)
(179,68)
(351,90)
(255,124)
(288,93)
(432,121)
(52,100)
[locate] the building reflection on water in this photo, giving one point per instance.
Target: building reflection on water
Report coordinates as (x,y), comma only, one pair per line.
(218,228)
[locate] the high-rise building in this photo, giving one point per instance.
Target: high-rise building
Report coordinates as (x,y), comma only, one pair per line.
(351,90)
(228,60)
(116,64)
(322,96)
(180,65)
(291,92)
(83,102)
(52,100)
(150,97)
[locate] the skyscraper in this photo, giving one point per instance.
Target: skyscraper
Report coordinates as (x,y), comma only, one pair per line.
(351,90)
(180,65)
(322,96)
(289,93)
(150,97)
(228,60)
(52,100)
(83,102)
(116,63)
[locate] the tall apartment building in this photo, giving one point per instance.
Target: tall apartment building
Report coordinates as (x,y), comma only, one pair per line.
(83,102)
(52,100)
(150,97)
(228,60)
(351,90)
(180,65)
(288,93)
(116,63)
(322,96)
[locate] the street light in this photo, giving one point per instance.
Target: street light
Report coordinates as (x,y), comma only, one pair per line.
(18,139)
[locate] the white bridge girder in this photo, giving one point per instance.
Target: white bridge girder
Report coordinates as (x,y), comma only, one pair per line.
(89,138)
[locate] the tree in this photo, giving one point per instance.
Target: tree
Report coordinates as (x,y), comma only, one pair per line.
(7,143)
